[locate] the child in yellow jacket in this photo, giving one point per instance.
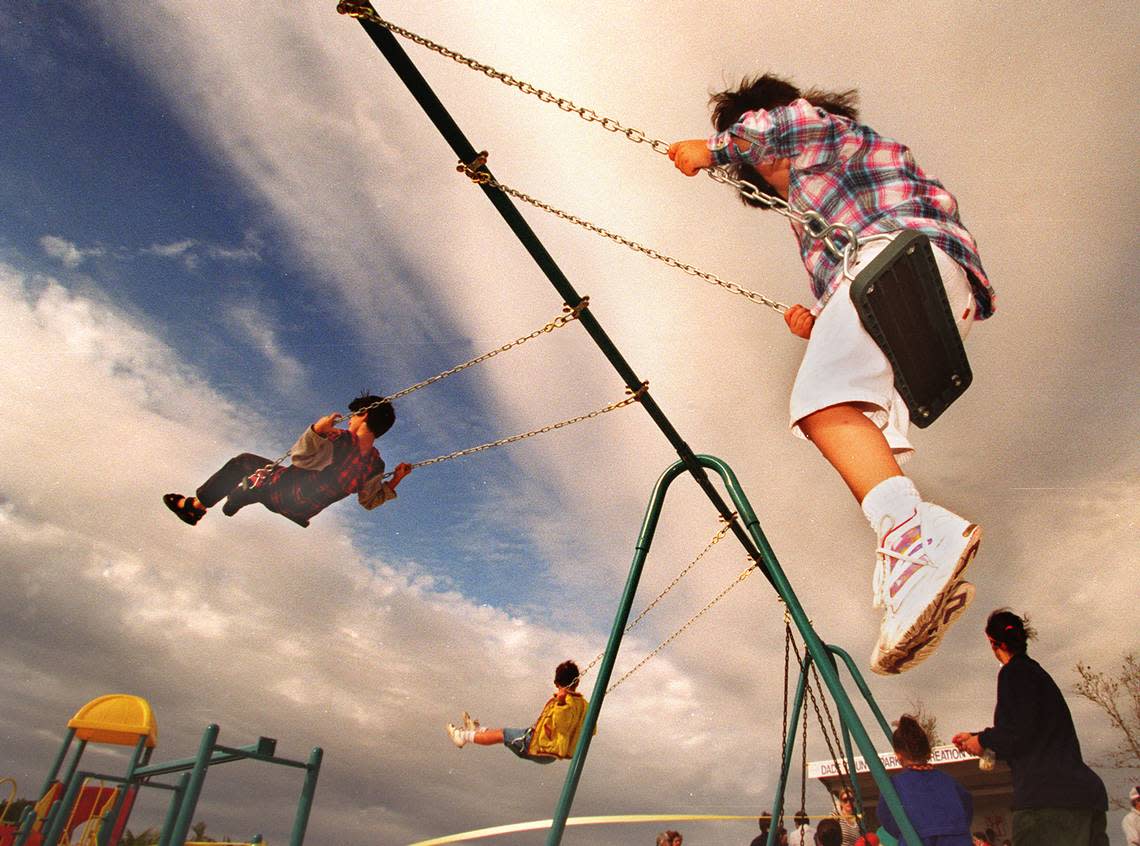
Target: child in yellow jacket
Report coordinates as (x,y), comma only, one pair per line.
(553,735)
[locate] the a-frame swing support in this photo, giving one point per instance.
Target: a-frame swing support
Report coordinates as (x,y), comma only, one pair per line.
(747,528)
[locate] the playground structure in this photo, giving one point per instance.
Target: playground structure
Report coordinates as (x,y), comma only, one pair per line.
(95,807)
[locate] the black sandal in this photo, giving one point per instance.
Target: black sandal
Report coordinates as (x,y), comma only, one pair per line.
(181,506)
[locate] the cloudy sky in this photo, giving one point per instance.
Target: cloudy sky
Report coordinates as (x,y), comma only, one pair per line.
(219,221)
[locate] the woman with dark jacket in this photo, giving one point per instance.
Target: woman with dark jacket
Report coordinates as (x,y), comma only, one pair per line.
(1057,799)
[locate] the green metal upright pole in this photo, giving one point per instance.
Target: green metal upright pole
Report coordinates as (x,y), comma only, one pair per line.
(605,669)
(111,820)
(815,647)
(308,791)
(749,535)
(55,822)
(194,787)
(29,815)
(789,749)
(172,810)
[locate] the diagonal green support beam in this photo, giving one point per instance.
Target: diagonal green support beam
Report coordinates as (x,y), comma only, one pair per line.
(747,529)
(464,151)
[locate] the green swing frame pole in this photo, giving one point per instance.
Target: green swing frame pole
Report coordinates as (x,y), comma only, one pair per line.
(789,750)
(308,792)
(874,706)
(749,534)
(386,42)
(815,648)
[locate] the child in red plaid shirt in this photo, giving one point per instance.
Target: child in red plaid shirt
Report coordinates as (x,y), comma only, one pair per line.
(810,149)
(327,465)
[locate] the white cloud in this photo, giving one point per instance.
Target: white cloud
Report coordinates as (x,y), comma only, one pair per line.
(67,253)
(191,251)
(173,249)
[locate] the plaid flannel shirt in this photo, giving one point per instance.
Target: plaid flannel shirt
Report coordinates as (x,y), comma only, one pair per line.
(850,174)
(301,494)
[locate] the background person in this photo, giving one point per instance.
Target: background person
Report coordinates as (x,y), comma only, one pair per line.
(1057,799)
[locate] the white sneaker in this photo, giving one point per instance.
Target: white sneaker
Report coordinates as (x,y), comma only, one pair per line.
(469,724)
(456,735)
(917,583)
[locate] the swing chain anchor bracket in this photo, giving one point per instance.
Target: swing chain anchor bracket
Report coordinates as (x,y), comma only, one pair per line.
(356,9)
(635,396)
(569,314)
(476,169)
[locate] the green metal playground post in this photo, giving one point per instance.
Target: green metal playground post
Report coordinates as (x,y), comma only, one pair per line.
(870,700)
(194,788)
(789,749)
(29,813)
(749,535)
(112,819)
(172,811)
(815,648)
(308,791)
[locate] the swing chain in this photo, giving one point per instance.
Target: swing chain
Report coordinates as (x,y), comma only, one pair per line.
(715,540)
(784,763)
(841,769)
(362,10)
(813,222)
(568,315)
(482,177)
(635,396)
(744,574)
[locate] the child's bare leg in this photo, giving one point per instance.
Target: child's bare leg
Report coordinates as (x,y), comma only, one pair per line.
(489,737)
(853,444)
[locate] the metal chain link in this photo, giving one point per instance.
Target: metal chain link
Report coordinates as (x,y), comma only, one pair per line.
(568,315)
(784,765)
(715,540)
(613,406)
(744,574)
(803,770)
(831,751)
(482,177)
(813,223)
(364,11)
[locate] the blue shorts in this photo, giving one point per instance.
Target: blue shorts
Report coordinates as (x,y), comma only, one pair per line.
(518,741)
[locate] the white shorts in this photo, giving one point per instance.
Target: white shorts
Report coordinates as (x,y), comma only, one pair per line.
(843,364)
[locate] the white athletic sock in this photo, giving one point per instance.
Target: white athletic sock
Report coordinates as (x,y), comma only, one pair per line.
(468,736)
(890,502)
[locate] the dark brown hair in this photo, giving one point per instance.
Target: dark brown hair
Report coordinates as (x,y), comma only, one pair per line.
(769,92)
(910,739)
(828,833)
(566,675)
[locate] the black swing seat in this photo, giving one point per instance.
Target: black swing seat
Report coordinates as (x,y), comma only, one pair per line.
(901,301)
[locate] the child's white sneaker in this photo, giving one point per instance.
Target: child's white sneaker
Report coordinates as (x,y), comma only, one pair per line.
(469,724)
(917,570)
(456,735)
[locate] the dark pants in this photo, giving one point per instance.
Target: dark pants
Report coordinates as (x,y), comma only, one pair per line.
(218,486)
(1059,827)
